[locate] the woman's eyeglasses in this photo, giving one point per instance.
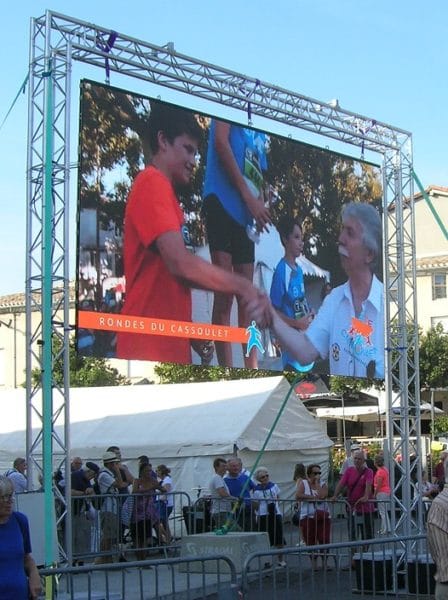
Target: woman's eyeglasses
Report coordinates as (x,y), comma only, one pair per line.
(7,497)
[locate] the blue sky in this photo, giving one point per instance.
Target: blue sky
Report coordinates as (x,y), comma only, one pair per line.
(386,60)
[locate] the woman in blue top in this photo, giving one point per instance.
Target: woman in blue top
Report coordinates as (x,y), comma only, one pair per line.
(19,577)
(288,288)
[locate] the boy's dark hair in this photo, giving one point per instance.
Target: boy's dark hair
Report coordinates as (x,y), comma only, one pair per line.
(173,121)
(285,226)
(218,461)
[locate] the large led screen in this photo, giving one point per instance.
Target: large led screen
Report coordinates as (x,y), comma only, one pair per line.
(207,242)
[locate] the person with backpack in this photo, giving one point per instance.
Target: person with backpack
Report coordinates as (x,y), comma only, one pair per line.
(17,475)
(110,481)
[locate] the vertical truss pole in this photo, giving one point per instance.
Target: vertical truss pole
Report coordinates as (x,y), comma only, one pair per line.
(66,301)
(33,92)
(47,288)
(47,270)
(403,424)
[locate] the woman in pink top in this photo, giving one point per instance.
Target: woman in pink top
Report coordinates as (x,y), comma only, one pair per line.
(382,490)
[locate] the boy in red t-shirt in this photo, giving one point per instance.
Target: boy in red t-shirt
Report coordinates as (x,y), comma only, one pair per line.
(158,267)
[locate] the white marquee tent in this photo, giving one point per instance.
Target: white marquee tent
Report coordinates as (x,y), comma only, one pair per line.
(184,426)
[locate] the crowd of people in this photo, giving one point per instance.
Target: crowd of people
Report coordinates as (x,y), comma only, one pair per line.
(147,500)
(109,503)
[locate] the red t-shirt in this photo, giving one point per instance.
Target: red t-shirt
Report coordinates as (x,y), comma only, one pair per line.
(382,473)
(151,291)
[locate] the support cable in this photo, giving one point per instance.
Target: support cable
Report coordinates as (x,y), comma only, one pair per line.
(435,214)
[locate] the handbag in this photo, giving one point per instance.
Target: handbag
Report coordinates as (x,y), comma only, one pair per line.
(295,519)
(127,510)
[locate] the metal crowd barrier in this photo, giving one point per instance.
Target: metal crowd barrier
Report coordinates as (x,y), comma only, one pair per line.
(245,518)
(191,518)
(174,578)
(399,567)
(102,535)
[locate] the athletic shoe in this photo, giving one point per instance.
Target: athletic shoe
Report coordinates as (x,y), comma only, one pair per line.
(281,564)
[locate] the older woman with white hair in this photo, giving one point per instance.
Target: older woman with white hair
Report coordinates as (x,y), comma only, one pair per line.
(269,516)
(19,577)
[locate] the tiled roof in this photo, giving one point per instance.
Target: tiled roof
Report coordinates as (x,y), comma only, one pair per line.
(16,301)
(432,262)
(12,300)
(432,188)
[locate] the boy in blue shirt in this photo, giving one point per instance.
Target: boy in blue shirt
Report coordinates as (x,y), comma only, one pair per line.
(288,288)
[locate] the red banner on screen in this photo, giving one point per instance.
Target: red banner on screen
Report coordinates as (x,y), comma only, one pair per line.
(164,327)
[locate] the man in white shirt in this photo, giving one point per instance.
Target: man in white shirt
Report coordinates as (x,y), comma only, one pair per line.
(17,475)
(221,499)
(349,327)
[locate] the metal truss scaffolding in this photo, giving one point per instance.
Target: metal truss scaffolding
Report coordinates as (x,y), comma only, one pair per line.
(56,42)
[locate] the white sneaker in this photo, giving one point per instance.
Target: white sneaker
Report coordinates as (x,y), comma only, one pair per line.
(281,564)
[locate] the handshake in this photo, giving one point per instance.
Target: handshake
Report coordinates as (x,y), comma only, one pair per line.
(258,308)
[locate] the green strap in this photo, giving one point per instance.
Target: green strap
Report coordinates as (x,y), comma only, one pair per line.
(230,521)
(430,204)
(21,91)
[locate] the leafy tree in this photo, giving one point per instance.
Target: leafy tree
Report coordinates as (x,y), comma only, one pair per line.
(433,358)
(85,371)
(173,373)
(347,385)
(441,425)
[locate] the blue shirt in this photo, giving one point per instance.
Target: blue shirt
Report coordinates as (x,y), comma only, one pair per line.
(249,150)
(236,484)
(288,296)
(14,544)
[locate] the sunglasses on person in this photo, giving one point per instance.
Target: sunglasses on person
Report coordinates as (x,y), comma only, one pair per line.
(266,476)
(316,472)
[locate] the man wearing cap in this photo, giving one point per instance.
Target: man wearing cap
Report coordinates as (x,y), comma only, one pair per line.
(126,475)
(110,481)
(81,489)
